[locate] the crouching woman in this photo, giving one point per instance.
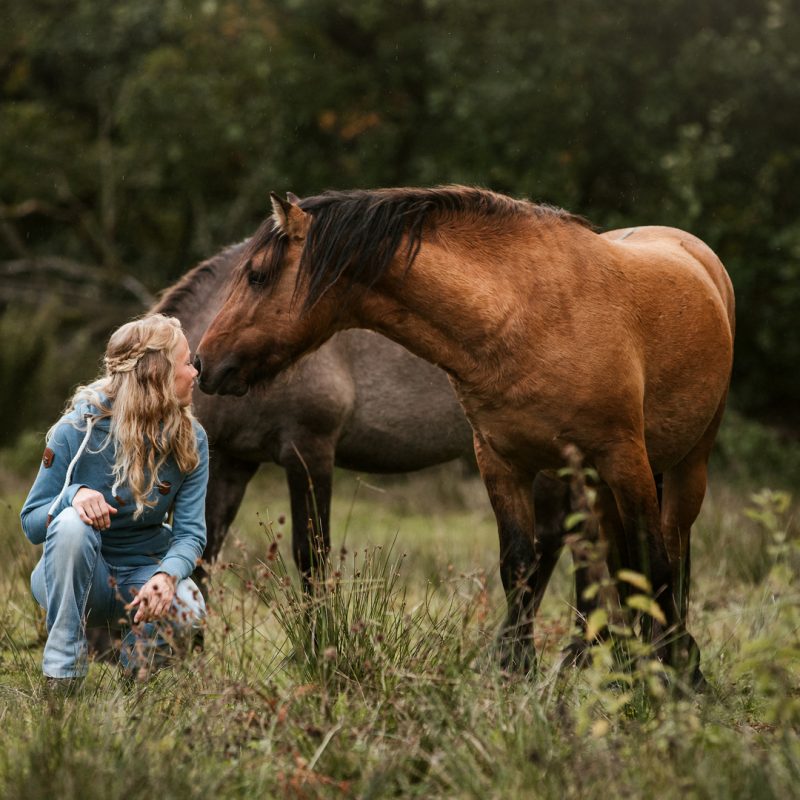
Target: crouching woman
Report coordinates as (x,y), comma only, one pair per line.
(126,452)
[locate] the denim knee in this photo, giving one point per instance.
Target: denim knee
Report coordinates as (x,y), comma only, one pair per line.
(70,535)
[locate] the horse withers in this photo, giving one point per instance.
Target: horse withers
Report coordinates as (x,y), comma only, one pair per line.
(619,344)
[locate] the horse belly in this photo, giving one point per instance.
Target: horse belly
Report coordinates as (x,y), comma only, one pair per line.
(405,414)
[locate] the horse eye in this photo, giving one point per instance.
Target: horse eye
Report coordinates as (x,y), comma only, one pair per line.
(256,278)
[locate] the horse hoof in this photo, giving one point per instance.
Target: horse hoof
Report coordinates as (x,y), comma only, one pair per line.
(575,654)
(699,682)
(517,658)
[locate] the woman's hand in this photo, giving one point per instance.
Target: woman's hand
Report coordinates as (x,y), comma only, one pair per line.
(93,509)
(154,599)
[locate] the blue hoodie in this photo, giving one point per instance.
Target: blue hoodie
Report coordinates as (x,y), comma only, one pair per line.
(129,541)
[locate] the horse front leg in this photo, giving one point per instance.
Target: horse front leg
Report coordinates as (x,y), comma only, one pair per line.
(309,474)
(227,481)
(511,496)
(228,477)
(554,500)
(552,504)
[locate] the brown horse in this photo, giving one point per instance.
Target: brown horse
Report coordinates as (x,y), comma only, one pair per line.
(619,344)
(360,402)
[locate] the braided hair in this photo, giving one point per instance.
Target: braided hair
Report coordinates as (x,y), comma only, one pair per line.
(137,393)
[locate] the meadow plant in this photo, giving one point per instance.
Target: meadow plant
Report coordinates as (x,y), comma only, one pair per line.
(354,623)
(377,684)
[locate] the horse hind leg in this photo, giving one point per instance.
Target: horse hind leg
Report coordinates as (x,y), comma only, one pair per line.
(684,489)
(639,544)
(684,492)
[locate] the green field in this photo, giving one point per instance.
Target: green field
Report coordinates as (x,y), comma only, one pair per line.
(403,696)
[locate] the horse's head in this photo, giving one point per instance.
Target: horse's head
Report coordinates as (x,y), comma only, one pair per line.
(266,323)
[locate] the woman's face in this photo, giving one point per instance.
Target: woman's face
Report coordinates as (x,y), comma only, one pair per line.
(185,373)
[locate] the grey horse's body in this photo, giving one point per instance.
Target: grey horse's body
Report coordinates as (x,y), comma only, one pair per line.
(361,402)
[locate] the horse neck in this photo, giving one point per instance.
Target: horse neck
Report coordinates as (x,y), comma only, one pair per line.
(459,302)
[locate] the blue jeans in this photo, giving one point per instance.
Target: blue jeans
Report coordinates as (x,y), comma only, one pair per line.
(78,589)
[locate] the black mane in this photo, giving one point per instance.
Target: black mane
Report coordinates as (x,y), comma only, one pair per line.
(355,234)
(173,299)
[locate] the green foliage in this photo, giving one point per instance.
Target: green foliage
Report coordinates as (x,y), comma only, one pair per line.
(142,136)
(43,355)
(774,668)
(23,353)
(748,451)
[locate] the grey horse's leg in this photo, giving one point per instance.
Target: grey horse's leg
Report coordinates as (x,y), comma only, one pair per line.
(227,481)
(309,473)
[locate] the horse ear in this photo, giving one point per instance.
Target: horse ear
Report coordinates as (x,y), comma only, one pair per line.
(289,217)
(293,198)
(280,211)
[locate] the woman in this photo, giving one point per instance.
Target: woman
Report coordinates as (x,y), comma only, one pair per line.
(126,452)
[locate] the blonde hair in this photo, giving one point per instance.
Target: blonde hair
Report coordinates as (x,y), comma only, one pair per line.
(148,423)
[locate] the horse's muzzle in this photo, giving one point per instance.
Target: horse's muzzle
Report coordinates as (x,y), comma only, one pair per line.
(222,378)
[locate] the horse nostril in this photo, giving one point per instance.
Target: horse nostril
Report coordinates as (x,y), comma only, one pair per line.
(198,365)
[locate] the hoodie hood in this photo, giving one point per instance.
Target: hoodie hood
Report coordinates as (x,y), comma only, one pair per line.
(85,408)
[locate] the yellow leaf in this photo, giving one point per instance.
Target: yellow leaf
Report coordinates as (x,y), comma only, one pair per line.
(635,579)
(645,604)
(598,619)
(575,518)
(590,592)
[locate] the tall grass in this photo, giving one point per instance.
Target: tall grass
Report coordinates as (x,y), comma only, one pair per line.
(383,683)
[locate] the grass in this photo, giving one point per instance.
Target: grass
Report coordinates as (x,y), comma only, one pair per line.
(397,693)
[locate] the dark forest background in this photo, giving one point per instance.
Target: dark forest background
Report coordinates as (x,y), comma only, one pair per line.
(137,138)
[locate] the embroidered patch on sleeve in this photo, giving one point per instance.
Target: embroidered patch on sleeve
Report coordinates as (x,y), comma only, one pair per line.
(48,457)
